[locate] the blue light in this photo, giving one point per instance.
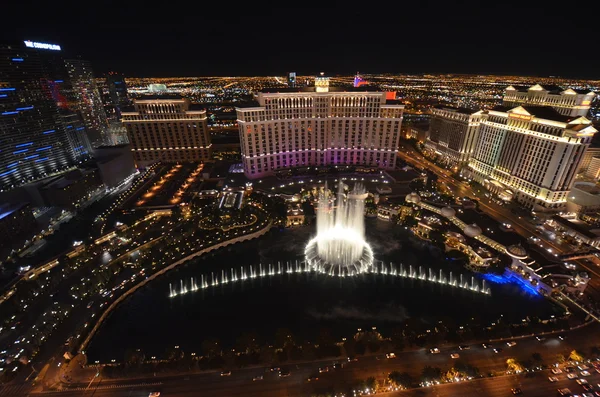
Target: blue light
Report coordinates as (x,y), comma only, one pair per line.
(7,113)
(48,132)
(509,278)
(12,165)
(31,157)
(78,147)
(3,96)
(43,148)
(25,144)
(20,151)
(27,108)
(69,126)
(7,89)
(8,172)
(17,59)
(42,159)
(58,81)
(79,128)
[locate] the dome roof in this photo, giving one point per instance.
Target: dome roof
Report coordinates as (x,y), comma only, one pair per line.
(472,230)
(413,198)
(516,251)
(448,212)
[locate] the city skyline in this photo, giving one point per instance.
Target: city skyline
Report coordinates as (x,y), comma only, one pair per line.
(418,38)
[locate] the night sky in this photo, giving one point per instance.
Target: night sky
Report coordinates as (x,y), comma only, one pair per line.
(168,38)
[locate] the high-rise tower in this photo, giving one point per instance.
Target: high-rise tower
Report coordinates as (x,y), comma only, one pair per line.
(33,141)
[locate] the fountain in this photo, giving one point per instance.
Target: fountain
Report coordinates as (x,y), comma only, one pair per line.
(339,248)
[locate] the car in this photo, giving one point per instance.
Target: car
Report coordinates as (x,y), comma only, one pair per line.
(582,367)
(553,379)
(454,355)
(569,369)
(274,369)
(390,355)
(225,373)
(434,350)
(259,377)
(154,394)
(338,365)
(564,391)
(352,360)
(572,375)
(585,373)
(323,369)
(497,349)
(464,347)
(511,344)
(582,381)
(561,337)
(556,371)
(312,378)
(516,390)
(587,387)
(284,373)
(540,338)
(486,345)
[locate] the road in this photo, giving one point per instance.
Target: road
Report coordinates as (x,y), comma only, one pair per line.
(240,382)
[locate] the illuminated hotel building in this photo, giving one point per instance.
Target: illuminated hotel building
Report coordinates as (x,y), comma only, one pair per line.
(568,102)
(33,140)
(168,130)
(318,126)
(453,133)
(530,152)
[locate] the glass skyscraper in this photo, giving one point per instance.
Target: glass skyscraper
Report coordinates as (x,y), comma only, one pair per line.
(33,139)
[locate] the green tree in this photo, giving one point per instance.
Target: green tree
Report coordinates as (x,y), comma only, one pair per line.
(211,347)
(401,379)
(371,383)
(431,374)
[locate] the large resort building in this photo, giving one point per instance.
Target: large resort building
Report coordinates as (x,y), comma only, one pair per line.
(453,132)
(319,126)
(530,148)
(168,130)
(568,102)
(530,152)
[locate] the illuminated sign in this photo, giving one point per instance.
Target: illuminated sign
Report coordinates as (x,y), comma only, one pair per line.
(585,102)
(42,46)
(519,116)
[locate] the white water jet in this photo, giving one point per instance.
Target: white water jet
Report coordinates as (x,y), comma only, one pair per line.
(339,248)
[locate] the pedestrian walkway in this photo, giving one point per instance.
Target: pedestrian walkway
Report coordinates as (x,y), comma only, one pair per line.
(19,389)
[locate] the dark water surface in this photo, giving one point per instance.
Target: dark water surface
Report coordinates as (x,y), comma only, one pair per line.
(304,303)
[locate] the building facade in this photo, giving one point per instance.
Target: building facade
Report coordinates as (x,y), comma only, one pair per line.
(34,142)
(568,102)
(117,92)
(453,133)
(318,126)
(533,152)
(76,135)
(589,155)
(88,100)
(168,130)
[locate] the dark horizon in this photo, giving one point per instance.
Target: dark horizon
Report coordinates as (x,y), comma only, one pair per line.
(270,41)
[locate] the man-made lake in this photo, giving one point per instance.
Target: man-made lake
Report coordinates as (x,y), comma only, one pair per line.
(304,303)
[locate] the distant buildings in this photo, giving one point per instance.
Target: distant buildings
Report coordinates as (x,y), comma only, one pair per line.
(168,130)
(291,79)
(117,92)
(34,141)
(568,102)
(318,126)
(88,100)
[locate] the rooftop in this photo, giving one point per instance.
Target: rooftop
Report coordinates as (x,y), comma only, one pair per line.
(363,88)
(7,209)
(456,109)
(574,226)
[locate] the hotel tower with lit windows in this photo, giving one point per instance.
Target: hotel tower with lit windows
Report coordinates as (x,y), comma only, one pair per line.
(168,130)
(319,126)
